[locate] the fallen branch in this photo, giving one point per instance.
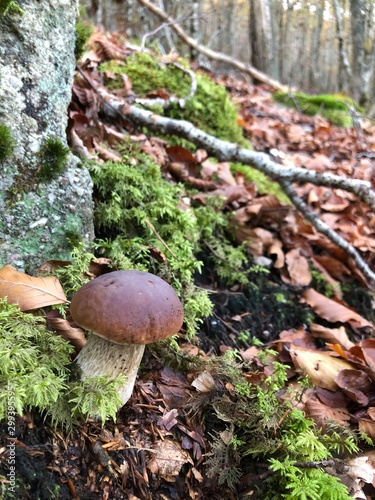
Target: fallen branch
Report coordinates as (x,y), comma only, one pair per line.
(323,228)
(166,102)
(226,151)
(212,54)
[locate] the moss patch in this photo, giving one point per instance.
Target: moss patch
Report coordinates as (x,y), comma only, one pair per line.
(334,107)
(210,109)
(9,6)
(83,32)
(53,159)
(6,142)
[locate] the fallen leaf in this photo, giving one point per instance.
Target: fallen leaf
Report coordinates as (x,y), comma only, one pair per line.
(320,367)
(298,268)
(322,413)
(333,311)
(368,350)
(168,460)
(70,333)
(334,335)
(30,292)
(355,384)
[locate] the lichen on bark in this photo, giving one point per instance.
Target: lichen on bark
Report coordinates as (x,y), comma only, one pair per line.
(36,72)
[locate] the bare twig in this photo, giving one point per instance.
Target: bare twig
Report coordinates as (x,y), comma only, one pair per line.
(323,228)
(211,54)
(152,227)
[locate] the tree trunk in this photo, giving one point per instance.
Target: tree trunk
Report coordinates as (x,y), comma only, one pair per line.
(261,35)
(360,70)
(358,55)
(40,213)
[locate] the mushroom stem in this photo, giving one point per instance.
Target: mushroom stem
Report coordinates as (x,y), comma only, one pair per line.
(100,357)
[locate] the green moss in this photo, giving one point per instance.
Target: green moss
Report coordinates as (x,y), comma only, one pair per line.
(83,32)
(6,142)
(141,225)
(9,6)
(263,183)
(260,428)
(210,109)
(53,157)
(336,108)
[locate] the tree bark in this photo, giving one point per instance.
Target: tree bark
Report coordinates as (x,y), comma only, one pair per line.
(261,36)
(36,73)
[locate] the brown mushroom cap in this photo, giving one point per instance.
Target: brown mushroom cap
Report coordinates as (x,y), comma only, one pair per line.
(128,307)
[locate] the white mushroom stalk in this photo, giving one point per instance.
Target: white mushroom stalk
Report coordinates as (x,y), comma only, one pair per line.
(100,357)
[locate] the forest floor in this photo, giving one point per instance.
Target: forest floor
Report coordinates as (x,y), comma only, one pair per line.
(156,448)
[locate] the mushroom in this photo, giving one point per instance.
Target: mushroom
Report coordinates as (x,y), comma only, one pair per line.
(125,310)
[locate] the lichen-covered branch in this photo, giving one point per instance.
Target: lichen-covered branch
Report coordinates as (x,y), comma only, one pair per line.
(226,151)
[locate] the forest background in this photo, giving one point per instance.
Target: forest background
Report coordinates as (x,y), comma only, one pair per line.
(323,46)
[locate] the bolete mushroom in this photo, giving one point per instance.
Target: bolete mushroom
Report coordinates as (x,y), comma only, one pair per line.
(124,310)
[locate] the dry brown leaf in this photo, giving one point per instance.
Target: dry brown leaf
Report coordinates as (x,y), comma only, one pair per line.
(320,367)
(168,460)
(70,333)
(322,413)
(30,292)
(368,426)
(276,248)
(298,268)
(333,335)
(355,384)
(333,311)
(106,154)
(368,351)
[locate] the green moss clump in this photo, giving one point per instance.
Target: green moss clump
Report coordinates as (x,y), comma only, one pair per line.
(36,372)
(53,156)
(210,109)
(7,6)
(260,428)
(83,32)
(141,226)
(6,142)
(335,108)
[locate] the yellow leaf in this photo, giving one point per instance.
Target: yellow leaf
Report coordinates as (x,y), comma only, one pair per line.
(29,292)
(320,367)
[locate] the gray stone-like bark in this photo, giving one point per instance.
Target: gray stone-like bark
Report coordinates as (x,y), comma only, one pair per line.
(36,73)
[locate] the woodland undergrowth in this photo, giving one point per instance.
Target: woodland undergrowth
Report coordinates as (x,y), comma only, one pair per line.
(147,221)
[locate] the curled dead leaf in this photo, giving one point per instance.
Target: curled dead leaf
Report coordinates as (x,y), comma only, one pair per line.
(30,292)
(322,413)
(355,384)
(333,311)
(333,335)
(70,333)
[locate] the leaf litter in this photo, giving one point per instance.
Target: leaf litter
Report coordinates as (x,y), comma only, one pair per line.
(156,440)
